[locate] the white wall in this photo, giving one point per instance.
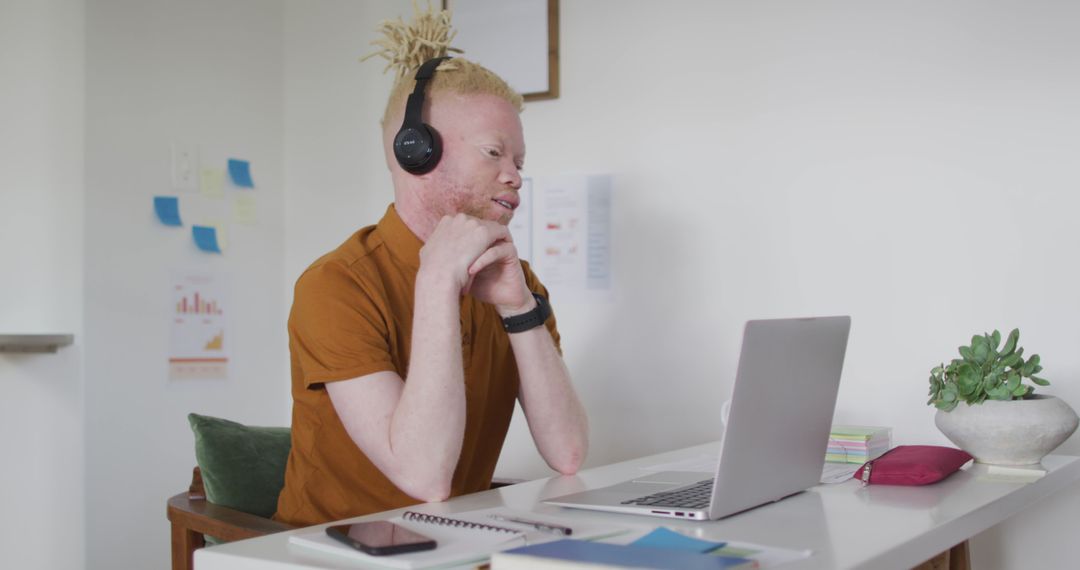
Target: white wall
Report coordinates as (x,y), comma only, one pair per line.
(202,72)
(41,167)
(909,164)
(335,178)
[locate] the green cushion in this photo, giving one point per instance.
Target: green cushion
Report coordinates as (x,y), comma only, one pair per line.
(243,467)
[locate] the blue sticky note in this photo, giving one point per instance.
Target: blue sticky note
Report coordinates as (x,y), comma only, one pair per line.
(240,173)
(167,209)
(668,539)
(206,238)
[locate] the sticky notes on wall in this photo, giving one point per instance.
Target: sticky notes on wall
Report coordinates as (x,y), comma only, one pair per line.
(225,186)
(245,209)
(167,209)
(206,238)
(212,182)
(240,173)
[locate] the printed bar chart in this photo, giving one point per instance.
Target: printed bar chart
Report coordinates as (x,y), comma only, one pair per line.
(196,305)
(199,348)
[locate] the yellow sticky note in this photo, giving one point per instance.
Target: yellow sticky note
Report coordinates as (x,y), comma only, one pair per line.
(245,210)
(222,231)
(212,183)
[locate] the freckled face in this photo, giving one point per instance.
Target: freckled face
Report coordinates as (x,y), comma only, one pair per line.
(483,151)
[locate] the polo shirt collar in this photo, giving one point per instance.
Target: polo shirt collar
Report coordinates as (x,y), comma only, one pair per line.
(399,239)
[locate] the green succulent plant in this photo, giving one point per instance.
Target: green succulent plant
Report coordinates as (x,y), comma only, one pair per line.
(984,372)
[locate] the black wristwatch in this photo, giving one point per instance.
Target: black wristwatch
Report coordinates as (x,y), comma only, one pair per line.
(531,319)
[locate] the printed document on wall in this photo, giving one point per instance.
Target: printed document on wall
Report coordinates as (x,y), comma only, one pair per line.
(572,236)
(199,340)
(521,225)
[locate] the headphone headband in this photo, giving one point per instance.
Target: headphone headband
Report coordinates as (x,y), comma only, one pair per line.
(414,106)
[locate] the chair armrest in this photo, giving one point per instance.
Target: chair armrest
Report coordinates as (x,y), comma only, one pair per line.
(497,482)
(196,490)
(220,522)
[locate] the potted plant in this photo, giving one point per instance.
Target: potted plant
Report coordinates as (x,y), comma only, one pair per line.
(986,408)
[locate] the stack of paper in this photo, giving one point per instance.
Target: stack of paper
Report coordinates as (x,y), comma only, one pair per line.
(857,444)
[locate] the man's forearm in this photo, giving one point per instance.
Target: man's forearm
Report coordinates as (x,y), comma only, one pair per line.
(428,424)
(556,417)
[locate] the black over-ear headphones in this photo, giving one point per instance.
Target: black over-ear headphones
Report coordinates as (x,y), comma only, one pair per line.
(417,146)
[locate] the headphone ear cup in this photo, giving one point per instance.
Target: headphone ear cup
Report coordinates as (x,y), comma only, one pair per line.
(417,148)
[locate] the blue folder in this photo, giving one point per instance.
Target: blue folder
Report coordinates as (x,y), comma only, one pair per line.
(627,556)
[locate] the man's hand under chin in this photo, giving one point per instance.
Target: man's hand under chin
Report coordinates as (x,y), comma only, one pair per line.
(496,278)
(479,258)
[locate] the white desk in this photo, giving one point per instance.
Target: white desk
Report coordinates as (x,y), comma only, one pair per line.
(846,525)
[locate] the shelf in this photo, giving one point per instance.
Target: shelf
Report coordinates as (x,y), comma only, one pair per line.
(34,342)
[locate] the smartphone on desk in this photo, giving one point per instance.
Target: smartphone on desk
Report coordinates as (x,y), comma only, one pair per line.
(380,538)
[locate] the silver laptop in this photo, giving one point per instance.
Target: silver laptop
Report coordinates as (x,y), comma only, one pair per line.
(777,431)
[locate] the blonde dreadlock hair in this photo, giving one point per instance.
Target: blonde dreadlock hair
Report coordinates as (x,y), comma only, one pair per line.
(406,47)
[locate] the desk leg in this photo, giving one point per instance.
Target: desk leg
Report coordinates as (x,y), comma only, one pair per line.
(955,558)
(960,557)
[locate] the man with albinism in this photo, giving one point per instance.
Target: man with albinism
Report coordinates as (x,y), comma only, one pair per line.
(411,342)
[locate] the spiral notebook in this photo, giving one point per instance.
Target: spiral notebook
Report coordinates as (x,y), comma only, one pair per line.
(462,538)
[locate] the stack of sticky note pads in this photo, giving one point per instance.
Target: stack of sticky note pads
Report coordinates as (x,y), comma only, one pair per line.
(857,444)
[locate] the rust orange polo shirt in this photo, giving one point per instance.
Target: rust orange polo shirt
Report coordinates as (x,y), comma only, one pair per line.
(352,315)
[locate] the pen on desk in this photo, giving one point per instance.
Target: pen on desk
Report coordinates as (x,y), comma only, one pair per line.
(538,525)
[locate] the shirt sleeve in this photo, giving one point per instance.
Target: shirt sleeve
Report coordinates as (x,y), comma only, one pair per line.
(338,327)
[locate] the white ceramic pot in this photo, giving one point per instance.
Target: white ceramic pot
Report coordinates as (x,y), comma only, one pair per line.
(1015,432)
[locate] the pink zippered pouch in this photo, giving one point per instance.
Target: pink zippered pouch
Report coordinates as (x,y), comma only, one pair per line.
(913,465)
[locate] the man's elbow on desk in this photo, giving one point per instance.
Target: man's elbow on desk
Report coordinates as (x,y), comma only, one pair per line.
(568,461)
(567,469)
(436,496)
(566,451)
(429,491)
(423,481)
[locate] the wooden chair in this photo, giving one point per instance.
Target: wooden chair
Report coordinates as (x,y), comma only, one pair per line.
(192,518)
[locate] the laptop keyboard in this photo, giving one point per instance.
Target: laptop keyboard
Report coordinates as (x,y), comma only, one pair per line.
(695,496)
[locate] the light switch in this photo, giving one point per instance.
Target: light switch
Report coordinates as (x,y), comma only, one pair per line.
(185,166)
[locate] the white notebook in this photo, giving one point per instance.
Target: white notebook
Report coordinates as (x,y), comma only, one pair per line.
(462,538)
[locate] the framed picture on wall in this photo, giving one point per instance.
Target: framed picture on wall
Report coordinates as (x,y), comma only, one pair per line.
(517,39)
